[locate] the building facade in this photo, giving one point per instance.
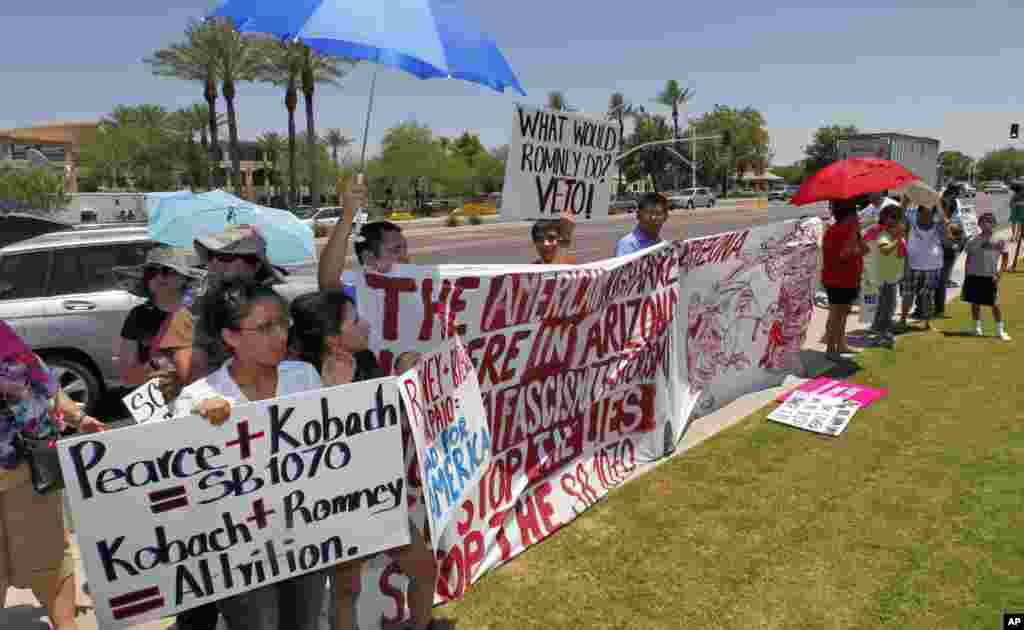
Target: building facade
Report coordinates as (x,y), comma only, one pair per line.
(918,154)
(60,143)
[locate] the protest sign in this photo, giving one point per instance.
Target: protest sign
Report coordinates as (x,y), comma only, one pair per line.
(182,513)
(146,403)
(449,426)
(825,386)
(745,303)
(559,164)
(586,373)
(816,413)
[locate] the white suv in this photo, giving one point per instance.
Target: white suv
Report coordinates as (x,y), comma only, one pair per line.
(692,198)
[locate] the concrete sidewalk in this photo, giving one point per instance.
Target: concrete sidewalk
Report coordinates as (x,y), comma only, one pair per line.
(24,613)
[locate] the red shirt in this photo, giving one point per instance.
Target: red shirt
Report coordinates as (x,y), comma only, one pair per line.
(837,273)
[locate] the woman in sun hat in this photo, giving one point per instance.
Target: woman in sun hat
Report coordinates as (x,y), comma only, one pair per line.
(164,281)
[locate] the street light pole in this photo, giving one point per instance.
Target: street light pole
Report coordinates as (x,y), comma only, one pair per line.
(369,111)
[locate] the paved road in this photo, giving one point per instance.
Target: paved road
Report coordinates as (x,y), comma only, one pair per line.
(509,242)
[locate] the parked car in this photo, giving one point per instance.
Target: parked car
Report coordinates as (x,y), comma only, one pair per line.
(622,203)
(782,193)
(325,217)
(997,188)
(58,291)
(692,198)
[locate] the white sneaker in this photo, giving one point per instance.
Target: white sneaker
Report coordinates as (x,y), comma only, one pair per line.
(1002,335)
(977,332)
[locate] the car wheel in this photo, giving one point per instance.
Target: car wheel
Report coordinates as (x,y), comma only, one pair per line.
(79,382)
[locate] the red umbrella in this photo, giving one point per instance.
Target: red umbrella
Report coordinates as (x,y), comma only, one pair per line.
(851,178)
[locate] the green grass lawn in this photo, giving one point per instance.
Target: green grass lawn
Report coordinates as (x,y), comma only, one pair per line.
(913,518)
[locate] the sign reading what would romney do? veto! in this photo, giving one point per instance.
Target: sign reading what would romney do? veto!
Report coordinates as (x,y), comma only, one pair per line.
(559,164)
(175,514)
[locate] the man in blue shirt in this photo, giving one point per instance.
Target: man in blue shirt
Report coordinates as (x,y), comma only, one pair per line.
(651,216)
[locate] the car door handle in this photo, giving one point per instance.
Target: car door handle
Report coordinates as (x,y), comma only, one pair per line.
(78,305)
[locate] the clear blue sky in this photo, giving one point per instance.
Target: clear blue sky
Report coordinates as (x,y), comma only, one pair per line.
(947,69)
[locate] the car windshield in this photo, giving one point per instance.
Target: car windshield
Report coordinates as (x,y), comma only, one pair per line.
(304,213)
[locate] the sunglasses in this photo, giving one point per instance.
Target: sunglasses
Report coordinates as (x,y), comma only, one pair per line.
(152,272)
(230,258)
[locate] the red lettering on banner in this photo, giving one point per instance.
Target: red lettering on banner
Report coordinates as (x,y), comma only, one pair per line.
(387,589)
(392,288)
(713,249)
(455,305)
(532,529)
(630,411)
(415,402)
(498,522)
(487,372)
(554,347)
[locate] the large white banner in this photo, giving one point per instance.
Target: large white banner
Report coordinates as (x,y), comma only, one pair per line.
(559,164)
(175,514)
(584,373)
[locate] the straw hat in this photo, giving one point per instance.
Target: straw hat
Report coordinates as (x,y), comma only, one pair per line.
(181,261)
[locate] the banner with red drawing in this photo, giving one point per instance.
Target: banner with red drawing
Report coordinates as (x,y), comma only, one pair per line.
(584,374)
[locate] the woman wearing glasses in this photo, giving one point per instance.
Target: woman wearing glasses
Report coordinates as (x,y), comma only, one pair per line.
(328,333)
(252,321)
(163,280)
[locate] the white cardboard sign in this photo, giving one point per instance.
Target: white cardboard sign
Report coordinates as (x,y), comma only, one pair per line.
(449,425)
(559,164)
(147,403)
(178,514)
(814,412)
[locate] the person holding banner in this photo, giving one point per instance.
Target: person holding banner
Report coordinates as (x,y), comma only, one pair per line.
(162,280)
(651,216)
(843,253)
(35,550)
(547,237)
(252,321)
(327,333)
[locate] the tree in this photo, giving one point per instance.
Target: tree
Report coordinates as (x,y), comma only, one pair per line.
(322,69)
(618,109)
(189,122)
(194,60)
(337,140)
(1001,165)
(273,147)
(408,151)
(557,102)
(674,96)
(238,59)
(36,188)
(654,162)
(956,165)
(745,145)
(142,142)
(793,174)
(282,66)
(824,148)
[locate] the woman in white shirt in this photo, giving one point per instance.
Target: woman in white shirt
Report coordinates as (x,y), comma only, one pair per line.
(253,322)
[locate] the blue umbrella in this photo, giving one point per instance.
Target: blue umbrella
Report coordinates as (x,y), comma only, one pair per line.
(179,219)
(426,38)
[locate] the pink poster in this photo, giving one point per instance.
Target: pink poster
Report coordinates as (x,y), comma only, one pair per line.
(838,389)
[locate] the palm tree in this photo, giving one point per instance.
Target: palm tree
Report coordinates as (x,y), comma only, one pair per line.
(337,140)
(194,60)
(317,68)
(238,59)
(557,102)
(272,146)
(282,65)
(618,109)
(673,96)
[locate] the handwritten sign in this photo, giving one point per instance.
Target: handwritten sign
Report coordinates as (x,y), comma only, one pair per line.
(183,513)
(147,403)
(453,441)
(559,164)
(816,413)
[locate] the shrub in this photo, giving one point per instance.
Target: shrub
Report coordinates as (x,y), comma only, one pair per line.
(453,221)
(475,220)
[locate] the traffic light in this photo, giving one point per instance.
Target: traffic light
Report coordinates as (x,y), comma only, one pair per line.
(1014,131)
